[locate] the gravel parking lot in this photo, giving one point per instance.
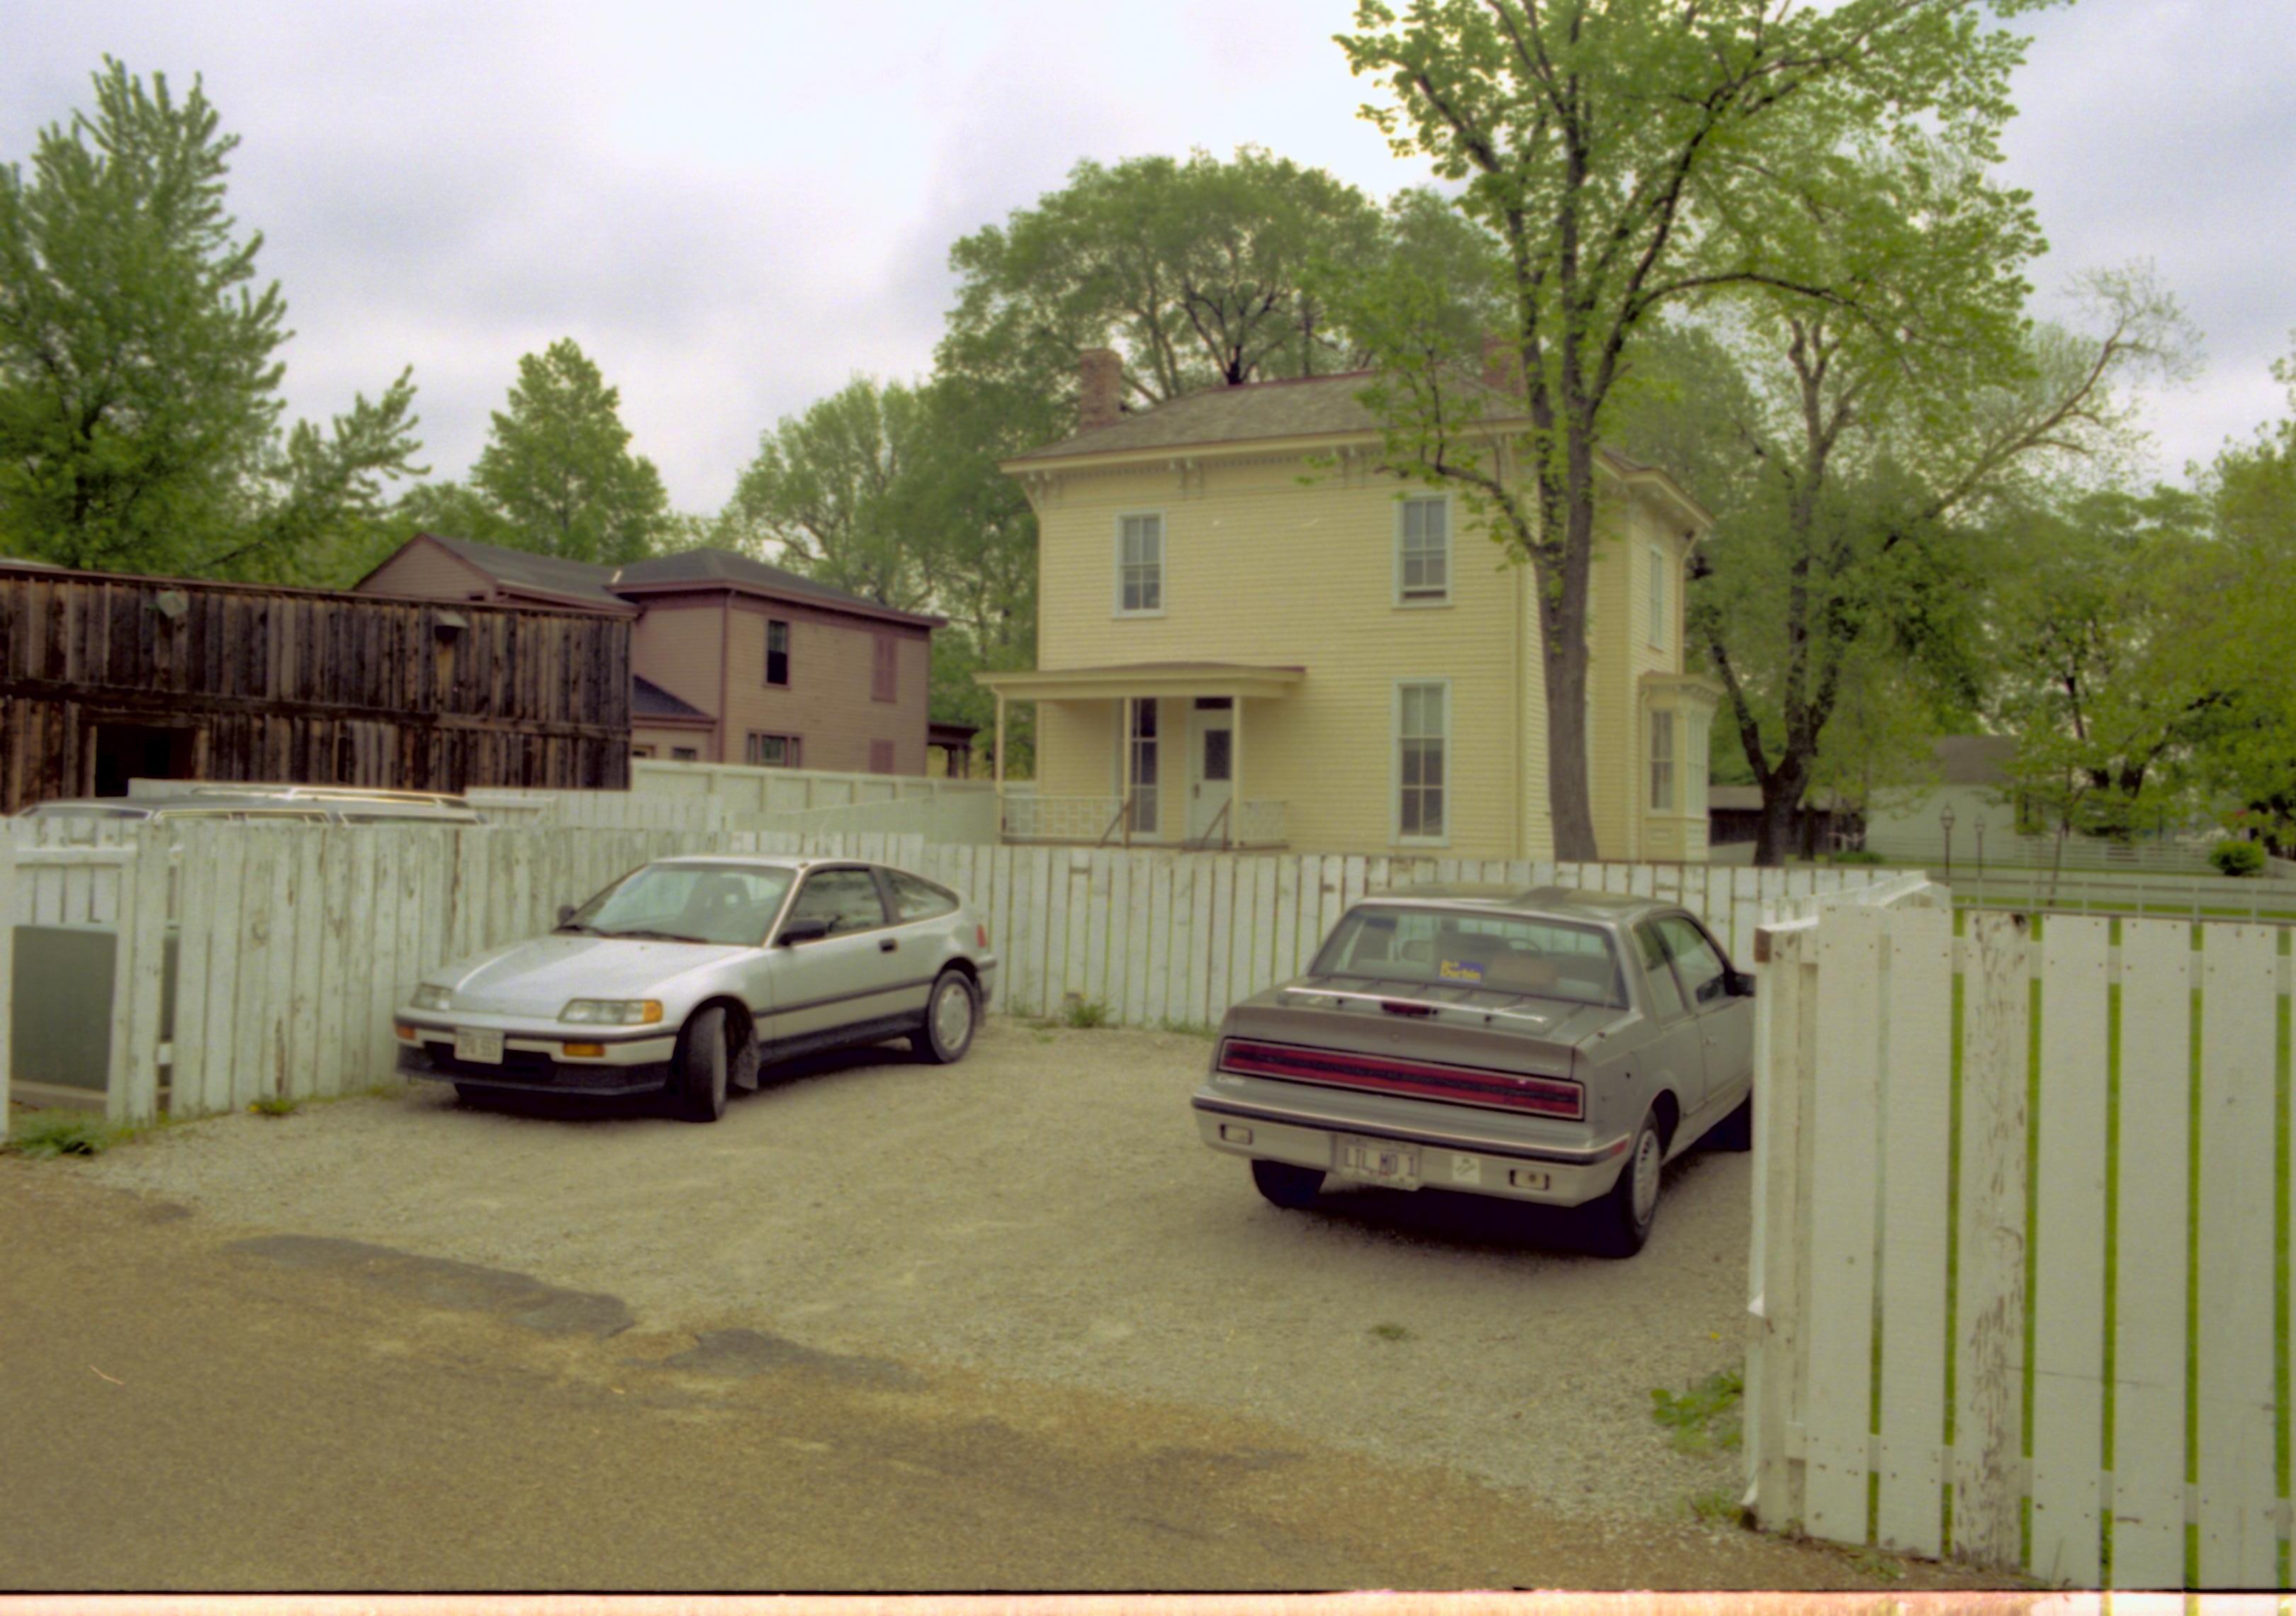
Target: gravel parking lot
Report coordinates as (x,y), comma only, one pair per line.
(1043,1212)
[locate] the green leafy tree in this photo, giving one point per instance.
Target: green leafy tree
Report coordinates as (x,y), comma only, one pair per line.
(1198,272)
(1631,158)
(2111,662)
(829,495)
(557,470)
(139,402)
(2247,751)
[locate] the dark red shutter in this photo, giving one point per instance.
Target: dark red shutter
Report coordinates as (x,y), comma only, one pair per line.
(886,684)
(880,757)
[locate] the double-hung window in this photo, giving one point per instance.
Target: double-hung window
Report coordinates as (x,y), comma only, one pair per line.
(1661,762)
(1139,565)
(1422,729)
(1423,551)
(776,652)
(771,751)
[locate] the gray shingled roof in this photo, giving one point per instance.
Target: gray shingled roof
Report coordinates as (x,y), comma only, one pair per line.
(1314,407)
(708,566)
(649,699)
(592,581)
(525,570)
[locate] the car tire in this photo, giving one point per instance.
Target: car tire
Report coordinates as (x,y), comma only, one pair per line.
(1734,1132)
(952,1015)
(1620,1222)
(698,1071)
(1286,1185)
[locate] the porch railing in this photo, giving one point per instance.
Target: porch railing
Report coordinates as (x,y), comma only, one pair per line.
(1058,818)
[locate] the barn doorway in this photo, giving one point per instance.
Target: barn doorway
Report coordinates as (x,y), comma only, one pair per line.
(140,752)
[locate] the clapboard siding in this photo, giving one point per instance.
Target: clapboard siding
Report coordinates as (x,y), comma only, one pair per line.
(2060,1248)
(284,685)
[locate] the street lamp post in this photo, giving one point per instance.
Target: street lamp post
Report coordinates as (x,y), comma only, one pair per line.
(1945,820)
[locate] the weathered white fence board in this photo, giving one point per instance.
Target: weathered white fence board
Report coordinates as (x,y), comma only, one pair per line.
(2068,1238)
(2239,1537)
(2071,1212)
(1916,1156)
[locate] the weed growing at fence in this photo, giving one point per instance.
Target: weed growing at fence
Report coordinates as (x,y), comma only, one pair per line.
(1705,1417)
(276,1105)
(43,1134)
(1086,1013)
(1194,1029)
(1718,1507)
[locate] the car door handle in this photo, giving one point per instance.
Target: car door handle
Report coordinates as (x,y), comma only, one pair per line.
(886,945)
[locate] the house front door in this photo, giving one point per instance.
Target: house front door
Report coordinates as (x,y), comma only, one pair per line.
(1212,766)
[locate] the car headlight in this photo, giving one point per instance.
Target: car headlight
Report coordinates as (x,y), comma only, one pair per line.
(612,1012)
(432,996)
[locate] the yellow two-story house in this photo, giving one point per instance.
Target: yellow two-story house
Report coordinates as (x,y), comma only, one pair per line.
(1249,634)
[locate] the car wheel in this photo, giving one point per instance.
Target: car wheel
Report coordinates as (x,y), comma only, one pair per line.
(1287,1186)
(1618,1224)
(698,1071)
(951,1014)
(1734,1132)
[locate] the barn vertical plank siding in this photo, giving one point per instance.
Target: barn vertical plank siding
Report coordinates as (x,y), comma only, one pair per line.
(272,683)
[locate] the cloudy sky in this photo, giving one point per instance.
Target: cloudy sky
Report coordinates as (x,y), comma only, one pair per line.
(734,207)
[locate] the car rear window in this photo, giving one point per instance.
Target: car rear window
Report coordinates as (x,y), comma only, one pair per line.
(1491,953)
(917,899)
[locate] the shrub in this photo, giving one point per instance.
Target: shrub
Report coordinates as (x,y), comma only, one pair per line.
(64,1133)
(1859,856)
(1085,1012)
(2237,857)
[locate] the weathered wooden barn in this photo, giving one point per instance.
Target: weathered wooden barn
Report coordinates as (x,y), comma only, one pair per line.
(105,677)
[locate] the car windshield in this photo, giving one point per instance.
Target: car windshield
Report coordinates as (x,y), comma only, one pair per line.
(1551,959)
(694,903)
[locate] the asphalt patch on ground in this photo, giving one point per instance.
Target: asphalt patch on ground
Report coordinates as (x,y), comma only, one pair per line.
(741,1354)
(438,1281)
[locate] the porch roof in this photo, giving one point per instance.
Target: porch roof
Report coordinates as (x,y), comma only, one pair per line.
(1232,679)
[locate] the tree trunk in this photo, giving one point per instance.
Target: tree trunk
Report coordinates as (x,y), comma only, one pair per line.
(1570,809)
(1782,792)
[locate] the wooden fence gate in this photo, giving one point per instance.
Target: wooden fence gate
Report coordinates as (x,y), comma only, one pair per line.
(2021,1264)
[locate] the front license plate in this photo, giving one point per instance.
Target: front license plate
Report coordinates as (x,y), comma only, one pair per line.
(1378,1162)
(478,1045)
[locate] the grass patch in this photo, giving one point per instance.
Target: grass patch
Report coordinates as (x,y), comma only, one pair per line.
(1086,1013)
(44,1134)
(1718,1507)
(1390,1333)
(1194,1029)
(1707,1417)
(276,1105)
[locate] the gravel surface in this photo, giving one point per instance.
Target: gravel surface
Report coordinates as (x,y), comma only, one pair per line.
(1044,1213)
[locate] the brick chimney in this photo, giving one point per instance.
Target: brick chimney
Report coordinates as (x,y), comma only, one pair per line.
(1502,364)
(1100,387)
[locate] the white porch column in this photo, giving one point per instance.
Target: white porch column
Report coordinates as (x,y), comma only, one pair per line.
(1124,707)
(1235,777)
(1000,766)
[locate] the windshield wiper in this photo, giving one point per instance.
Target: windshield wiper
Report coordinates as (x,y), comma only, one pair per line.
(652,935)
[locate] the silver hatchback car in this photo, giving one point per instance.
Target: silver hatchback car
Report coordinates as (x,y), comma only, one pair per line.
(689,974)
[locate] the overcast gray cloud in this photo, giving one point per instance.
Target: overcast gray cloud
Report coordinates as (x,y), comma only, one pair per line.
(734,208)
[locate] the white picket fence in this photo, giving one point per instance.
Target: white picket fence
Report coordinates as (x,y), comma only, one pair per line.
(295,942)
(2020,1243)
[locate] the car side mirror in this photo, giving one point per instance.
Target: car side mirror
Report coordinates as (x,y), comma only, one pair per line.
(1742,984)
(804,928)
(565,912)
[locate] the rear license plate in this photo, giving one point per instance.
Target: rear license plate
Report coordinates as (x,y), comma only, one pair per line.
(477,1045)
(1378,1162)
